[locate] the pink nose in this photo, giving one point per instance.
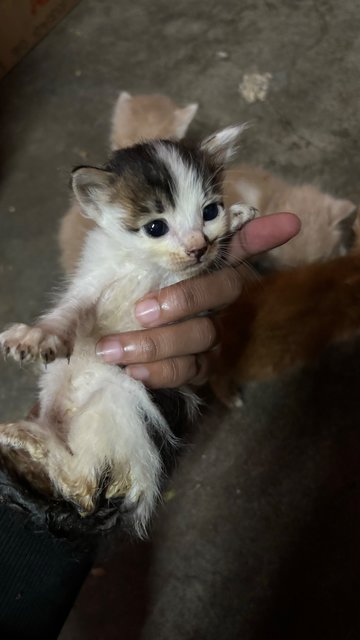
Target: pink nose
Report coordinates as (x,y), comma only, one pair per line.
(197,253)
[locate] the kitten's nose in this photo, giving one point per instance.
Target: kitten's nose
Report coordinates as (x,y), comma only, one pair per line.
(197,253)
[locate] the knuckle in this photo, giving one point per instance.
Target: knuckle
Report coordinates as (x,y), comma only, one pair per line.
(180,370)
(188,299)
(149,347)
(232,283)
(202,369)
(172,372)
(185,298)
(207,333)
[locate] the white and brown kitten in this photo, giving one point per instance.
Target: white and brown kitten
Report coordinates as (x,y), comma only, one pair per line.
(159,218)
(327,223)
(138,118)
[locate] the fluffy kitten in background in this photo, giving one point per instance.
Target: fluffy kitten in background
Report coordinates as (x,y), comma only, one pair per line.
(286,319)
(157,218)
(327,223)
(135,119)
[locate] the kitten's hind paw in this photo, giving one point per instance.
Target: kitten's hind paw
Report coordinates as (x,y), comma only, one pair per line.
(28,344)
(23,436)
(138,488)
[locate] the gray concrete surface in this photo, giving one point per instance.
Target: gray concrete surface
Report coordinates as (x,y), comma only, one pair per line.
(260,539)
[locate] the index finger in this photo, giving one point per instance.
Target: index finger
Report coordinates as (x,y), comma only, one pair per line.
(189,297)
(263,234)
(221,288)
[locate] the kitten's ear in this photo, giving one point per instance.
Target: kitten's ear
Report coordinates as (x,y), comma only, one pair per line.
(92,187)
(119,118)
(344,216)
(222,144)
(343,212)
(183,119)
(124,98)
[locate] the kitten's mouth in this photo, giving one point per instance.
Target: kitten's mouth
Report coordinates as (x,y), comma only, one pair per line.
(198,261)
(204,263)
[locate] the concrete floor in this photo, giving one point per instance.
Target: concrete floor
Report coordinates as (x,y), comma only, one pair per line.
(260,539)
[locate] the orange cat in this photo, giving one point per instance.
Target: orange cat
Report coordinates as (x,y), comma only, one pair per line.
(286,319)
(327,223)
(135,119)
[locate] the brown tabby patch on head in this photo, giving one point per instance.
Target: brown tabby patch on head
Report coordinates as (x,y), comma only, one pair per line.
(144,185)
(147,186)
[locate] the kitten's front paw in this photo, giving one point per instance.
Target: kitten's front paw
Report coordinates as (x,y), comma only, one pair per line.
(27,344)
(241,214)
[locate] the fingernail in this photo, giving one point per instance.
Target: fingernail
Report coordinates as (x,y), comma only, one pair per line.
(137,372)
(147,311)
(110,350)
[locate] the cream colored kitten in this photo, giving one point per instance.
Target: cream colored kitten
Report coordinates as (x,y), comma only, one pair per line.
(158,218)
(135,119)
(327,223)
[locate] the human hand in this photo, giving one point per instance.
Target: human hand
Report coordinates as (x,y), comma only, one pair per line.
(170,355)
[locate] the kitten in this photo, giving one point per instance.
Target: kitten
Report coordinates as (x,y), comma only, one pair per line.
(327,223)
(286,319)
(135,119)
(159,219)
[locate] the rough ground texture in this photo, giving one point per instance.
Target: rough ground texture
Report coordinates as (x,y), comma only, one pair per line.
(260,539)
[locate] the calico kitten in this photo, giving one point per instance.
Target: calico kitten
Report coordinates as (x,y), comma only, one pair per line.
(135,119)
(286,319)
(327,223)
(159,218)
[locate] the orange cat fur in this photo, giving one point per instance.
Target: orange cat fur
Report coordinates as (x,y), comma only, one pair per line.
(286,319)
(327,222)
(135,119)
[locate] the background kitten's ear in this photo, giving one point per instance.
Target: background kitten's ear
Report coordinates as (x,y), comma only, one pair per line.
(222,144)
(344,215)
(92,189)
(123,98)
(183,118)
(121,112)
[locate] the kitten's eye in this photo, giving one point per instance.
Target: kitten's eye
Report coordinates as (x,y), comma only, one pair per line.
(210,211)
(156,228)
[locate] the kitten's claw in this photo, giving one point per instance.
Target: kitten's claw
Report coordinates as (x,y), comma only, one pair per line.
(27,344)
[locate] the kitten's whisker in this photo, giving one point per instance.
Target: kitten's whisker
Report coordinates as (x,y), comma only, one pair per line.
(229,262)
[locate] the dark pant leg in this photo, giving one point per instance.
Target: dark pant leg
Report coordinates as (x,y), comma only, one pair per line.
(40,577)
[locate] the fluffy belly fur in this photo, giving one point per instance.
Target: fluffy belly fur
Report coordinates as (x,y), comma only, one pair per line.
(92,438)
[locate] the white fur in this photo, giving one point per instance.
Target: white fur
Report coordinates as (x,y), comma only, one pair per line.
(223,143)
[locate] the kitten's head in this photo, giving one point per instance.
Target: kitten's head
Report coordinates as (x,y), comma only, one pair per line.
(161,202)
(148,117)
